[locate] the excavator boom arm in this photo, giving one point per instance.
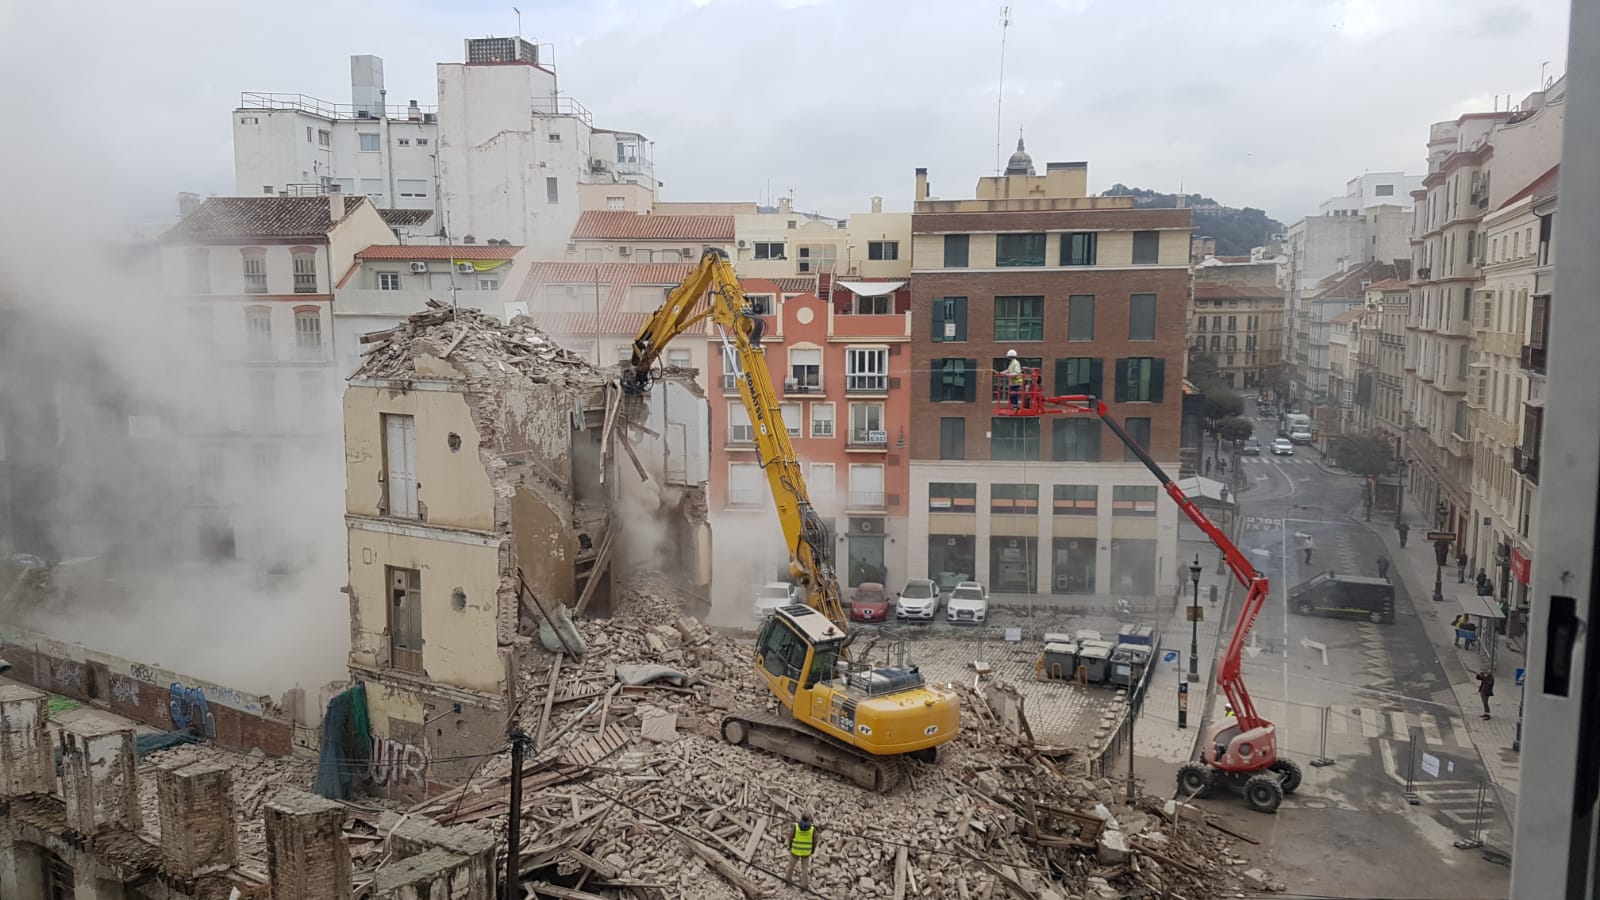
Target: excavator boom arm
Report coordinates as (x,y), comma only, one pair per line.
(713,290)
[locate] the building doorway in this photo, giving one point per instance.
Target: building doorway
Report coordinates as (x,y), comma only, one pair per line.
(952,559)
(1013,564)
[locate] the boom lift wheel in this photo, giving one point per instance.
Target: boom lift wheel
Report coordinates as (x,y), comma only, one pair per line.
(1263,792)
(1195,779)
(1288,774)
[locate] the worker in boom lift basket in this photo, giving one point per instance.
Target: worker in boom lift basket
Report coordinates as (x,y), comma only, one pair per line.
(1014,377)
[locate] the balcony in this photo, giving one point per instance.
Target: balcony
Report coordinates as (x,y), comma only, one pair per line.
(747,498)
(1533,359)
(794,387)
(866,384)
(730,384)
(862,439)
(868,326)
(1526,464)
(868,500)
(1460,446)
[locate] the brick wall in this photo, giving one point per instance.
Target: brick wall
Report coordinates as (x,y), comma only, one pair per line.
(1111,289)
(307,858)
(197,829)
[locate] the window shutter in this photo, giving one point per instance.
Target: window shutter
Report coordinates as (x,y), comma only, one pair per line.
(938,320)
(1061,377)
(1158,377)
(1122,381)
(1096,377)
(961,318)
(936,386)
(970,367)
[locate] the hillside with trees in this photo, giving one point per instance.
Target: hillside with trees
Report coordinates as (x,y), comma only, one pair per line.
(1236,230)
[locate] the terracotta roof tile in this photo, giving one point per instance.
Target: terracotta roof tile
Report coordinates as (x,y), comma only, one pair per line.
(621,225)
(1388,284)
(1223,290)
(406,216)
(431,251)
(614,280)
(796,284)
(1349,316)
(1544,184)
(259,217)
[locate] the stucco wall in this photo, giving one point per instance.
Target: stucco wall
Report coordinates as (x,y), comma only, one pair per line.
(453,485)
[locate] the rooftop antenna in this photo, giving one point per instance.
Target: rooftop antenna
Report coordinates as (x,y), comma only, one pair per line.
(1000,93)
(517,50)
(1542,66)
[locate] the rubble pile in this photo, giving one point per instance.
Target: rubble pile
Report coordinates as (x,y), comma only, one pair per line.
(477,344)
(629,791)
(256,777)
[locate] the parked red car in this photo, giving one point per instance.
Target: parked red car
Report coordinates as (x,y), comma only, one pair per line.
(871,603)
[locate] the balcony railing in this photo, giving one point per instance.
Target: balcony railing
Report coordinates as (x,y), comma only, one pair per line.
(794,387)
(866,500)
(746,497)
(868,440)
(1525,463)
(866,384)
(730,384)
(1533,358)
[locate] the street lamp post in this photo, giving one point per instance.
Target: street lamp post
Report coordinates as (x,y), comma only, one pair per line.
(1194,622)
(1441,550)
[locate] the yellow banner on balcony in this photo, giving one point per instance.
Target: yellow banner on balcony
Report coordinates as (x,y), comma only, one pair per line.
(481,265)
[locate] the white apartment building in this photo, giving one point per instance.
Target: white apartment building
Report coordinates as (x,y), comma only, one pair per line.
(780,242)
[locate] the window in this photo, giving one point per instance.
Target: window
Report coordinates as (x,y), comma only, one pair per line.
(1216,344)
(552,190)
(1080,317)
(881,305)
(1078,248)
(955,250)
(199,268)
(952,497)
(1077,499)
(255,271)
(372,188)
(422,142)
(308,333)
(949,319)
(264,400)
(616,202)
(1202,323)
(1019,318)
(1138,428)
(1075,440)
(1133,500)
(732,371)
(822,420)
(884,250)
(488,282)
(793,418)
(1014,499)
(412,187)
(866,486)
(1383,190)
(267,189)
(1139,379)
(1080,375)
(740,431)
(866,425)
(805,370)
(1019,249)
(769,250)
(679,359)
(388,281)
(954,380)
(370,143)
(258,332)
(404,142)
(325,138)
(305,273)
(405,618)
(1146,247)
(818,258)
(1142,317)
(866,370)
(822,482)
(1028,363)
(1013,438)
(746,485)
(760,304)
(953,437)
(1233,321)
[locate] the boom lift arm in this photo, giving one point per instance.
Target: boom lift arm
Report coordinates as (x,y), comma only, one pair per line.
(712,290)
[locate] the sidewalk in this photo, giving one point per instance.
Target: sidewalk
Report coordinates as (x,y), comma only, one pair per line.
(1157,735)
(1493,738)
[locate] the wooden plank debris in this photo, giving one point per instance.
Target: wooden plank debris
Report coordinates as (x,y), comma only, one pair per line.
(900,863)
(549,700)
(722,867)
(602,559)
(592,750)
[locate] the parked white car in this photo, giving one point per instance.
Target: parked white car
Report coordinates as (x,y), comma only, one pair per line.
(968,603)
(775,594)
(919,599)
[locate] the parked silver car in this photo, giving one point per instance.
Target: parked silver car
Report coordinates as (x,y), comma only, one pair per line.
(775,594)
(968,603)
(919,599)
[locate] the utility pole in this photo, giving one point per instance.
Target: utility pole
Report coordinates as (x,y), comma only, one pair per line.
(519,743)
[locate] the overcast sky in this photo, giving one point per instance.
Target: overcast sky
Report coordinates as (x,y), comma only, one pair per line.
(1268,104)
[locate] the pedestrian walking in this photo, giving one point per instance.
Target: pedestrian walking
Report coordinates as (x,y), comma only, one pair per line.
(1222,467)
(1461,567)
(1383,567)
(1307,545)
(1484,584)
(802,843)
(1404,530)
(1485,690)
(1208,467)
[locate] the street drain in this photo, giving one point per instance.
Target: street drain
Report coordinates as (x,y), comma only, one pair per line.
(1314,804)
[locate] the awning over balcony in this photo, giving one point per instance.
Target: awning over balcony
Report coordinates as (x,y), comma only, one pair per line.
(872,288)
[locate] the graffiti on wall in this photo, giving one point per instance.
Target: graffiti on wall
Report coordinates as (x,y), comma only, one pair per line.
(398,764)
(142,672)
(124,691)
(190,712)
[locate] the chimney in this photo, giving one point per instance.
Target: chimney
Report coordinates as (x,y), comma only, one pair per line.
(877,204)
(98,777)
(196,806)
(187,203)
(922,185)
(27,765)
(335,203)
(785,206)
(413,112)
(307,858)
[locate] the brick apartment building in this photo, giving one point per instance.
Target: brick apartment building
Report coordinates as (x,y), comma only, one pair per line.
(841,363)
(1095,293)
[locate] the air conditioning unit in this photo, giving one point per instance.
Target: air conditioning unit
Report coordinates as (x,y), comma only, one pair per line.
(688,253)
(624,250)
(465,268)
(742,245)
(420,268)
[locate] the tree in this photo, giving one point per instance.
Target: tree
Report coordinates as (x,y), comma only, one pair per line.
(1235,429)
(1363,455)
(1220,403)
(1203,373)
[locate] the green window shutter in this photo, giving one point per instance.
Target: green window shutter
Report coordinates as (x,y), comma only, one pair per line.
(1097,378)
(960,313)
(1122,381)
(1062,366)
(936,385)
(970,367)
(1158,374)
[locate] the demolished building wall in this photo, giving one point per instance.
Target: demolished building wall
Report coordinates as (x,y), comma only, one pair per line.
(482,497)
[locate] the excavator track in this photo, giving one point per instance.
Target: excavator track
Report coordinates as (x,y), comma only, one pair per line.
(793,741)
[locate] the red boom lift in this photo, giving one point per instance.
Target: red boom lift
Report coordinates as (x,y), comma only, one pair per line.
(1242,750)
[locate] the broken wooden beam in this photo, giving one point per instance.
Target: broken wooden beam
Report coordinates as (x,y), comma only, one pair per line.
(900,865)
(602,560)
(549,700)
(721,866)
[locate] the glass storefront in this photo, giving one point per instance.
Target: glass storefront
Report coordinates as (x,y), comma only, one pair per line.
(1133,567)
(951,558)
(1013,564)
(865,562)
(1072,569)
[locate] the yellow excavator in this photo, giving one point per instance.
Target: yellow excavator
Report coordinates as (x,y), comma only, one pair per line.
(856,721)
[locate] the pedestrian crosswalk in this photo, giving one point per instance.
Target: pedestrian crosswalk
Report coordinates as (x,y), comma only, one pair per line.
(1279,460)
(1302,724)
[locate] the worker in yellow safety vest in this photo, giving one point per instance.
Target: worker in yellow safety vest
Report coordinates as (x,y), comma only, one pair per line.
(801,845)
(1014,377)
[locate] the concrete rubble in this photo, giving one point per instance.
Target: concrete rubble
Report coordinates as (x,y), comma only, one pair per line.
(612,810)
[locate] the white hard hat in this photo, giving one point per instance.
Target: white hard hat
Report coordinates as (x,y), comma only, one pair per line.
(1011,353)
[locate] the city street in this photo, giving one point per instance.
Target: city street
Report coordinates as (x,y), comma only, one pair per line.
(1380,689)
